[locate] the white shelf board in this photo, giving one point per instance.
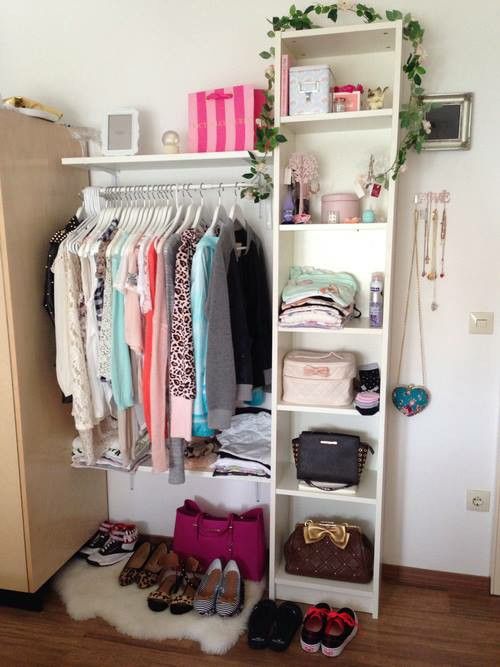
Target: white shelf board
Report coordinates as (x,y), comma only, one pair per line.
(160,161)
(340,40)
(346,121)
(287,485)
(342,227)
(360,326)
(329,586)
(291,407)
(208,474)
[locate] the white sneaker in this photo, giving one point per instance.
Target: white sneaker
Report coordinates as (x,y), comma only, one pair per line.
(97,541)
(120,544)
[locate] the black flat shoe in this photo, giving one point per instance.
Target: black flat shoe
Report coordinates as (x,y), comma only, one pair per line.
(260,624)
(288,620)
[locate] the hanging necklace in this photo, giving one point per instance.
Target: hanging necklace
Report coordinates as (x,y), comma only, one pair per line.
(444,222)
(412,399)
(426,237)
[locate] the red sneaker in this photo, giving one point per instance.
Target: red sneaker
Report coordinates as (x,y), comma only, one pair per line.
(313,627)
(340,628)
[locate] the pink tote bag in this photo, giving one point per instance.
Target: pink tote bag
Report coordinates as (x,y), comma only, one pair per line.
(237,536)
(223,119)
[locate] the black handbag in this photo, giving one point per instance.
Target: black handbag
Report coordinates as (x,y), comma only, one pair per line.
(331,458)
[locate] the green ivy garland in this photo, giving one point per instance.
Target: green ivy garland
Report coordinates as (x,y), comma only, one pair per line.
(412,114)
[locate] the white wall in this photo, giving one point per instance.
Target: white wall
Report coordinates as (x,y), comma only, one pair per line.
(89,56)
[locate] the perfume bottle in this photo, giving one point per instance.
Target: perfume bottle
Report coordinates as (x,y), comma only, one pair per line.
(288,206)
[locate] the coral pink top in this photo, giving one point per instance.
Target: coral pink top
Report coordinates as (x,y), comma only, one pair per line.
(148,337)
(158,371)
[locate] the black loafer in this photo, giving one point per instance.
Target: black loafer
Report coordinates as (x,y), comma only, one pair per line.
(288,620)
(261,623)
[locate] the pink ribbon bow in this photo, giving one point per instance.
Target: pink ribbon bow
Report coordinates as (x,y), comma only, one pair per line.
(219,96)
(321,371)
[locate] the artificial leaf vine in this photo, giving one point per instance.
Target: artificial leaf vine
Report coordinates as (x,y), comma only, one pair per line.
(412,114)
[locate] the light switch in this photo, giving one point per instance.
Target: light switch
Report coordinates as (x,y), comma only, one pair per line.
(481,323)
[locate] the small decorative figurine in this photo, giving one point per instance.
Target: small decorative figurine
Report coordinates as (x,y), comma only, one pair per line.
(375,97)
(170,141)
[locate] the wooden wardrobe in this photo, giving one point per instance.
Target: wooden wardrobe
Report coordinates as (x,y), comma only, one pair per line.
(47,509)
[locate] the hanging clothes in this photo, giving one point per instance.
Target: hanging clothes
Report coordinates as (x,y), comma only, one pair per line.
(182,372)
(200,280)
(54,243)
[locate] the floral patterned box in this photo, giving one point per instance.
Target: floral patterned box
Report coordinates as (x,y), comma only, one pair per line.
(310,89)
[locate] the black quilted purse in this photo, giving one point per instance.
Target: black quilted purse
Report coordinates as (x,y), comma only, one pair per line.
(330,458)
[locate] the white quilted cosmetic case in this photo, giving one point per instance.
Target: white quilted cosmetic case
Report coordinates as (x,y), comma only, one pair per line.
(319,378)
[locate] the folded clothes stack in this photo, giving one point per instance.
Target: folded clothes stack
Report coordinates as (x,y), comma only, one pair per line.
(367,402)
(245,447)
(113,457)
(318,298)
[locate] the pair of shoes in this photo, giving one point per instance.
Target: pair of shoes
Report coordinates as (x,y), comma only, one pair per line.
(273,627)
(145,566)
(177,588)
(220,591)
(112,543)
(328,630)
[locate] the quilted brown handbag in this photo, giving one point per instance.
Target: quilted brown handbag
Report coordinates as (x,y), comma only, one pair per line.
(329,551)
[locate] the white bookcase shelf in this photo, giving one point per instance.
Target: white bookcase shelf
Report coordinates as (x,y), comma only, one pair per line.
(380,119)
(341,142)
(334,229)
(160,161)
(360,326)
(287,485)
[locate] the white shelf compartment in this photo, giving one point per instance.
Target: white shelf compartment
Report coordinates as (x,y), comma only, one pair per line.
(208,474)
(346,121)
(348,40)
(312,589)
(348,411)
(342,227)
(287,485)
(359,326)
(160,161)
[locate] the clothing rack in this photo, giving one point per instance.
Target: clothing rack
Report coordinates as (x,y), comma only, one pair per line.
(111,192)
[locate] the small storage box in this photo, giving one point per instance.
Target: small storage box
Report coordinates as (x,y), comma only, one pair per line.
(319,378)
(310,89)
(345,204)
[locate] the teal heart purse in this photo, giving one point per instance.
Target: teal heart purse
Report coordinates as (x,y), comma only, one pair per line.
(411,399)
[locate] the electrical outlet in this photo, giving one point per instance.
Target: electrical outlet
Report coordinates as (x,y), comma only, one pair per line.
(478,501)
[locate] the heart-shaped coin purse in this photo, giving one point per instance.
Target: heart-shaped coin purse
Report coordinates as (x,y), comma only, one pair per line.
(410,399)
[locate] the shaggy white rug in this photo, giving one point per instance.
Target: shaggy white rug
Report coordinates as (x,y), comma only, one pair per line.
(89,592)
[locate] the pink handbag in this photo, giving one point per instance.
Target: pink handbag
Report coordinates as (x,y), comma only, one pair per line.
(224,119)
(238,536)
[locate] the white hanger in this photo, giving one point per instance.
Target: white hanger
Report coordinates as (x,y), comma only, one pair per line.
(199,211)
(236,211)
(190,212)
(219,215)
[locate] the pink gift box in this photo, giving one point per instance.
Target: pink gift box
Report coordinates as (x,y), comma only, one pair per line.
(352,100)
(223,119)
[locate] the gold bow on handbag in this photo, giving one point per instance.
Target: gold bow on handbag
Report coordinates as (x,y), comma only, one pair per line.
(315,531)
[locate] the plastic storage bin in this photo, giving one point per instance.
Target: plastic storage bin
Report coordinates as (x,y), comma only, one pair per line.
(310,89)
(345,204)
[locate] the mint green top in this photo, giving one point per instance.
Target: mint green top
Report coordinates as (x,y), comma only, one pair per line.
(307,281)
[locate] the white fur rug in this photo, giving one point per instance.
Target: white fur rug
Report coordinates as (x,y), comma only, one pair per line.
(89,592)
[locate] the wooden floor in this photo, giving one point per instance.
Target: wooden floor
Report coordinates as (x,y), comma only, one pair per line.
(417,627)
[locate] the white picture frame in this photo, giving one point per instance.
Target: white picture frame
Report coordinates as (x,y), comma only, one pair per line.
(120,132)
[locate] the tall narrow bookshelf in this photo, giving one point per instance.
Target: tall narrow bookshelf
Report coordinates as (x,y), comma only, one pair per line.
(342,142)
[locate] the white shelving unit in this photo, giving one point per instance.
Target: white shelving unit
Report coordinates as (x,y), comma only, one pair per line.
(144,162)
(342,143)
